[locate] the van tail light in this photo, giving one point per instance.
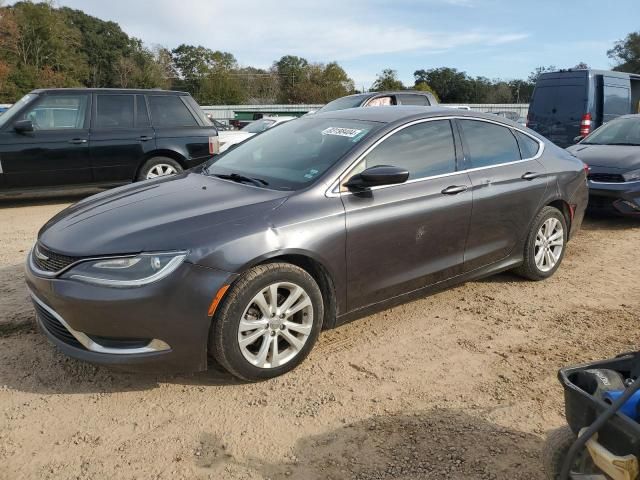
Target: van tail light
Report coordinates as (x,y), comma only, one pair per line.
(585,125)
(214,146)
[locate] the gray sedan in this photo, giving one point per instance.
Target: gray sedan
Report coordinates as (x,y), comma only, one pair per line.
(301,228)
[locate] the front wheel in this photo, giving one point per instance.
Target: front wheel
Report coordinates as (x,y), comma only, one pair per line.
(545,245)
(268,322)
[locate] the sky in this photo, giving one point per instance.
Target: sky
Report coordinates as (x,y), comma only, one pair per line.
(493,38)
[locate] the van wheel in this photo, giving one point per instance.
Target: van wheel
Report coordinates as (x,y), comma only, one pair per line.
(268,322)
(159,167)
(545,245)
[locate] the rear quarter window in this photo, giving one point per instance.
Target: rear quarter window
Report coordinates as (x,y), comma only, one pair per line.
(170,111)
(528,146)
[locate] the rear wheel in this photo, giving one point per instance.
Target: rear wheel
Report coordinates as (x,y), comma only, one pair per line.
(159,167)
(545,245)
(268,322)
(555,451)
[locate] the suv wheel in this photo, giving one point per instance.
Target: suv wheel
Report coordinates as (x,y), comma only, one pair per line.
(159,167)
(545,246)
(268,323)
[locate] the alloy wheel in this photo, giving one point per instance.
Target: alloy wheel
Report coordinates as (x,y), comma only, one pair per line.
(160,170)
(275,325)
(549,244)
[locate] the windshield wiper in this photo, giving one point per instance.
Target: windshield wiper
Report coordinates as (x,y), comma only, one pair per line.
(236,177)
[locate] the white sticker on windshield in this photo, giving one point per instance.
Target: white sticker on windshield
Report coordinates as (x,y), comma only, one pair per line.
(341,132)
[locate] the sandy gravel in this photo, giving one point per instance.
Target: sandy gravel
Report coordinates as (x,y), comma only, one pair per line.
(458,385)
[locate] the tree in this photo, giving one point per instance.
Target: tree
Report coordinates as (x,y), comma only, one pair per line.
(387,80)
(424,87)
(533,76)
(290,69)
(626,54)
(452,86)
(581,66)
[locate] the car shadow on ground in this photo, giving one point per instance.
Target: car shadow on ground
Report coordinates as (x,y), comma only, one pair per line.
(600,221)
(434,444)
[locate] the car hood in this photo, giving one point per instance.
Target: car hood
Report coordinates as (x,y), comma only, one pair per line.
(619,157)
(173,213)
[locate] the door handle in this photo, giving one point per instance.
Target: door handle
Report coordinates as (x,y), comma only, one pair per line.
(146,138)
(78,141)
(454,189)
(530,175)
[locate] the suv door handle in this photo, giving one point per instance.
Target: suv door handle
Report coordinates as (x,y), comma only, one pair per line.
(146,138)
(454,189)
(530,175)
(78,141)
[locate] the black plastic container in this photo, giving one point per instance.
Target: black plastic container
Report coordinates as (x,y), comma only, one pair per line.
(620,435)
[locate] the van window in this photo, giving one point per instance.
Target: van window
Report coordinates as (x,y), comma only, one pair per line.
(564,100)
(170,111)
(488,143)
(114,111)
(617,101)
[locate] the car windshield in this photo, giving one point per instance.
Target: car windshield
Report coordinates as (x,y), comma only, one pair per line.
(258,126)
(293,155)
(623,131)
(6,117)
(342,104)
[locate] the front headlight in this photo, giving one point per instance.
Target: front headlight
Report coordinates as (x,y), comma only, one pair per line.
(133,271)
(632,176)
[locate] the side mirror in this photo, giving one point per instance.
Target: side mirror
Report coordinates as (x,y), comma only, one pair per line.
(377,176)
(577,139)
(23,126)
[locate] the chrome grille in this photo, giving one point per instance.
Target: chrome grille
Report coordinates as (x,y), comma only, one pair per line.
(48,261)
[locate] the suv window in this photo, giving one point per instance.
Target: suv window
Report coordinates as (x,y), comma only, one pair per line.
(528,146)
(114,111)
(425,149)
(170,111)
(488,143)
(413,99)
(58,112)
(142,114)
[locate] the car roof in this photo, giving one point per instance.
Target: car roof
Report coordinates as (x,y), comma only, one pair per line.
(389,114)
(153,91)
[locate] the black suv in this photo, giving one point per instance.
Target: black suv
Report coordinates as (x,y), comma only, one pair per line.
(100,138)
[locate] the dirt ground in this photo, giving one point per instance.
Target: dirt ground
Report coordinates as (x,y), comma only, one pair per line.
(461,384)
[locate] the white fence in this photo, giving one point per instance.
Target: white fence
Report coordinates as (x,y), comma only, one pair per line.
(229,112)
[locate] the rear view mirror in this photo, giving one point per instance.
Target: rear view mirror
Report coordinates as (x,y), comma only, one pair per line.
(23,126)
(377,176)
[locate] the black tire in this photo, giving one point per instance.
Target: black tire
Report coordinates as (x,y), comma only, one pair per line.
(529,269)
(555,451)
(155,161)
(223,337)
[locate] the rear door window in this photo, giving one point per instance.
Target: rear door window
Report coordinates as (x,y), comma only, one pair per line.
(413,99)
(560,100)
(114,111)
(488,144)
(142,114)
(170,111)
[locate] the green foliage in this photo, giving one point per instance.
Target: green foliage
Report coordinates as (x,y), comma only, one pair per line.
(387,80)
(626,53)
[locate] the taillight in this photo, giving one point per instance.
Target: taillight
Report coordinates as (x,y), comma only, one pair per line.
(585,125)
(214,146)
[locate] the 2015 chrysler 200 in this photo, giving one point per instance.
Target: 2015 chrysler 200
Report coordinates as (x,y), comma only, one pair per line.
(301,228)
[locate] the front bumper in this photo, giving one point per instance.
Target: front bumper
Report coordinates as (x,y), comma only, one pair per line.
(160,327)
(617,198)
